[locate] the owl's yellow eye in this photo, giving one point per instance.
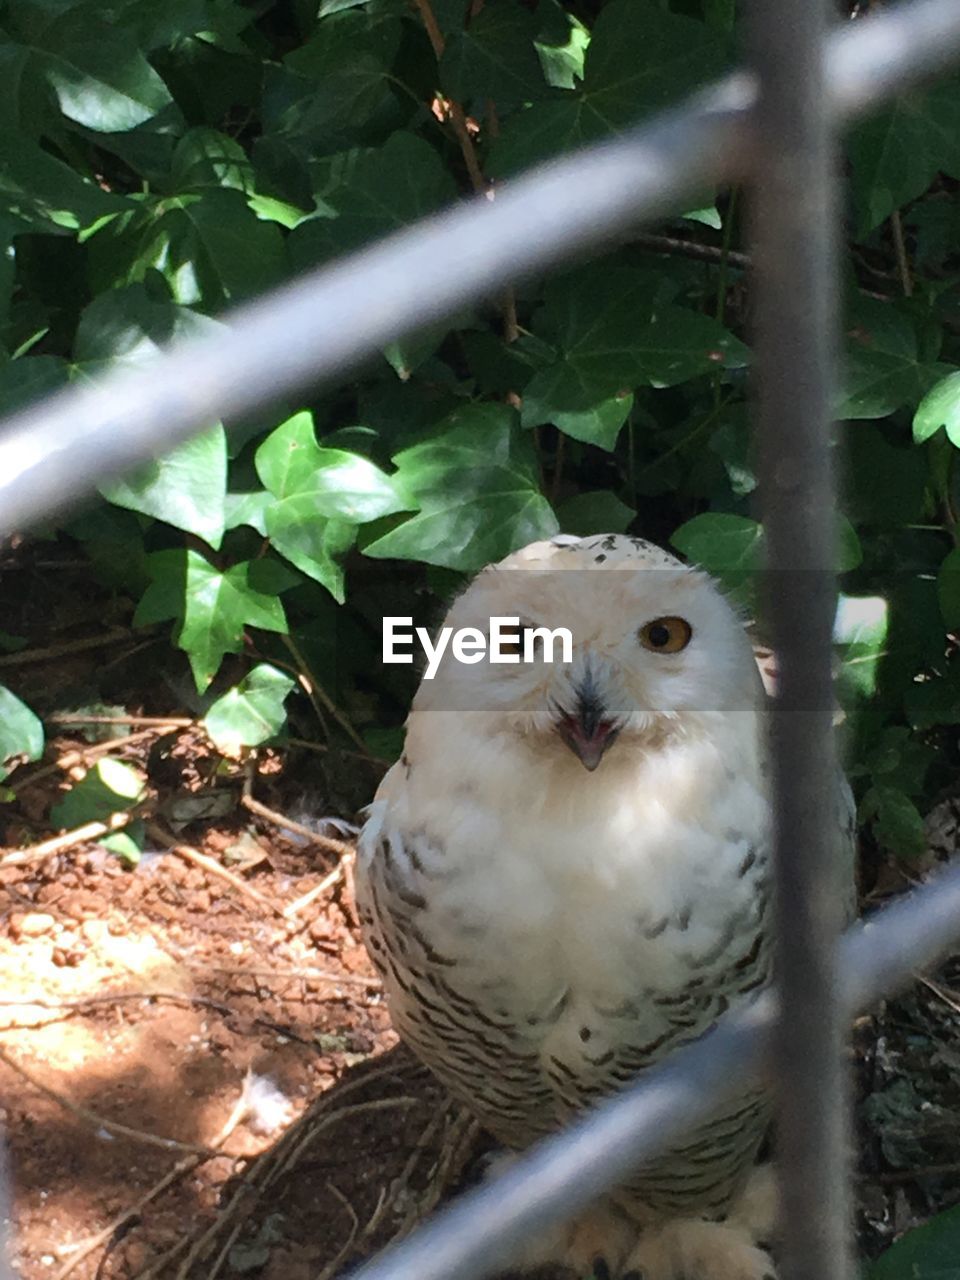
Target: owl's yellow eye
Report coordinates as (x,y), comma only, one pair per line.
(665,635)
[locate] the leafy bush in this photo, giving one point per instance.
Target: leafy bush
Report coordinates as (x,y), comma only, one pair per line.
(159,163)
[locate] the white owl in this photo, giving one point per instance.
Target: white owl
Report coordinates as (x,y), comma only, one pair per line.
(566,877)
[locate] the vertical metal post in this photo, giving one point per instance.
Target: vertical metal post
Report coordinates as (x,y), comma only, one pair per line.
(795,299)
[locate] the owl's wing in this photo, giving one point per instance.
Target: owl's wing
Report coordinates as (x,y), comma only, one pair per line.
(487,1058)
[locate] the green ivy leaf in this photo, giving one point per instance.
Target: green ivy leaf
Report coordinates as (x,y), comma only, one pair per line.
(896,821)
(598,511)
(723,543)
(250,713)
(209,246)
(476,484)
(614,330)
(562,396)
(110,787)
(940,407)
(46,194)
(732,442)
(332,483)
(315,545)
(897,153)
(212,607)
(948,589)
(249,509)
(930,1252)
(860,631)
(129,325)
(494,57)
(641,58)
(320,496)
(21,733)
(883,367)
(207,157)
(186,487)
(383,191)
(25,380)
(561,44)
(339,89)
(99,75)
(720,542)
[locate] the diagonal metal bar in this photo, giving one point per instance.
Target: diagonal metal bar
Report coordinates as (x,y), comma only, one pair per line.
(330,320)
(477,1234)
(795,229)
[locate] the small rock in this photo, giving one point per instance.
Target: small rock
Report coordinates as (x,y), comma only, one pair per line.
(94,930)
(320,929)
(31,924)
(220,1038)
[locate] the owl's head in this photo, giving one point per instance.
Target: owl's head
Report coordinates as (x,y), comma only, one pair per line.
(655,648)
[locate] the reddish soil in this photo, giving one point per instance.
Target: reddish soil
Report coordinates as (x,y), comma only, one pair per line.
(149,997)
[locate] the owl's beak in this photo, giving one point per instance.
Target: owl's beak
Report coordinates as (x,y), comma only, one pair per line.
(589,731)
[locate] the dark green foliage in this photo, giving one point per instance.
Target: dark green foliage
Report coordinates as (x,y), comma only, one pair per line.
(160,163)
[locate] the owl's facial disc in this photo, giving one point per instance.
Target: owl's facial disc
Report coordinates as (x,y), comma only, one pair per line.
(590,728)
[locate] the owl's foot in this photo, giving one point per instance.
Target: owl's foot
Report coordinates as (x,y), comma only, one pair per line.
(756,1207)
(692,1249)
(595,1243)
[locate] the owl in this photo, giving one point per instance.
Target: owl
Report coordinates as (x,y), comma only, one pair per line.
(566,877)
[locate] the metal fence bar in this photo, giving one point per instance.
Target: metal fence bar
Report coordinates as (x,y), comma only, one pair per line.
(473,1237)
(331,319)
(795,215)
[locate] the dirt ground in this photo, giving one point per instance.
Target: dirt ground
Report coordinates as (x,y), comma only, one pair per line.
(197,1072)
(171,1050)
(198,1078)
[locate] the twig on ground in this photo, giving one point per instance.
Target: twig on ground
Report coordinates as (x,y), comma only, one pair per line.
(81,1002)
(97,1121)
(333,1267)
(456,1151)
(82,755)
(84,1248)
(59,844)
(135,722)
(307,899)
(61,650)
(306,975)
(340,847)
(230,1221)
(399,1188)
(325,748)
(215,868)
(269,1167)
(946,994)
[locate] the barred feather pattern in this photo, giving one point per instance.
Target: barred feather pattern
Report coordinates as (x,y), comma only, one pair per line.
(545,935)
(495,1051)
